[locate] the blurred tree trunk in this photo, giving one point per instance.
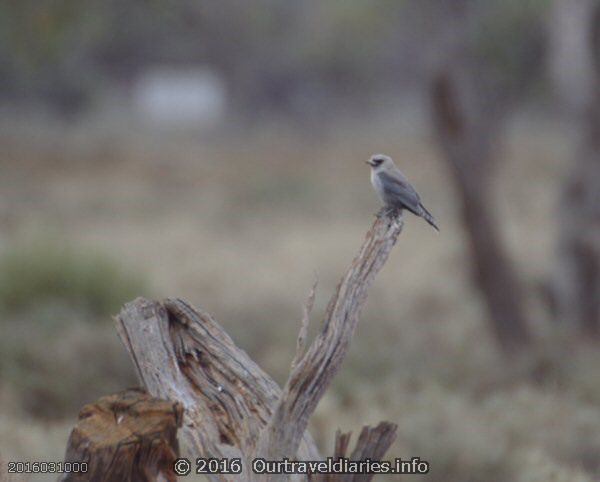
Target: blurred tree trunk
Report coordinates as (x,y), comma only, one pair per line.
(575,290)
(468,118)
(466,144)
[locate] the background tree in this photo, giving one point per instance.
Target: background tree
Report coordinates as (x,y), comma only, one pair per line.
(483,65)
(575,42)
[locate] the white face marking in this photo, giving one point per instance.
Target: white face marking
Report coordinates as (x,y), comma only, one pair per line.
(380,162)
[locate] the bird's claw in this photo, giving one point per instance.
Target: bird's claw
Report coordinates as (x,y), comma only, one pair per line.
(388,212)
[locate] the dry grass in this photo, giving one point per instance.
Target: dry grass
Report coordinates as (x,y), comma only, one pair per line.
(240,228)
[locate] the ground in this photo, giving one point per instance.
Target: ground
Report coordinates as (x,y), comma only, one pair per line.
(241,224)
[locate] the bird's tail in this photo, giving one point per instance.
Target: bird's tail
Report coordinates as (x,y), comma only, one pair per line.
(426,215)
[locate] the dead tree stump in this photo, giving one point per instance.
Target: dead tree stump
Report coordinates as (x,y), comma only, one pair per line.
(232,408)
(126,437)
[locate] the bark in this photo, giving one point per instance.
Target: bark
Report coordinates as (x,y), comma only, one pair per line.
(466,133)
(129,436)
(372,443)
(232,408)
(575,289)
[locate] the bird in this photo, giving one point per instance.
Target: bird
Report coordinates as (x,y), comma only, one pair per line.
(394,190)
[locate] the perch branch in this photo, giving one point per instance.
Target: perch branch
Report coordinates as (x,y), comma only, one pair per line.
(311,377)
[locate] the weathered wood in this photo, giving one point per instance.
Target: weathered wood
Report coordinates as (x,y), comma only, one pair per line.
(311,377)
(182,354)
(372,443)
(129,436)
(232,408)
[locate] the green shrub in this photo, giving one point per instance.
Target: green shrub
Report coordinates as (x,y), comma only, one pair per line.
(47,272)
(50,357)
(54,364)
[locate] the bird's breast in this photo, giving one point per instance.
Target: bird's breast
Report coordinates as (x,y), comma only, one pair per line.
(377,185)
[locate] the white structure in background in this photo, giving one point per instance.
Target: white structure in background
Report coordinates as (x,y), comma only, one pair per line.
(171,96)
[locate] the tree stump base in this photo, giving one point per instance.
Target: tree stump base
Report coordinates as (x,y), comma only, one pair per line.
(128,436)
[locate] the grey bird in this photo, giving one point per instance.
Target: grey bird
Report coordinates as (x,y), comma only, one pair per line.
(394,190)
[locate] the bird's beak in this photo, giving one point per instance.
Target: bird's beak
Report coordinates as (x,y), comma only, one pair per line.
(368,161)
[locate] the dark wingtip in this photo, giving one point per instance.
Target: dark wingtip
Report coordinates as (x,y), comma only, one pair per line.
(432,222)
(426,215)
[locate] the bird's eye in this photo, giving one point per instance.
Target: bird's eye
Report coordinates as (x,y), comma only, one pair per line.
(378,161)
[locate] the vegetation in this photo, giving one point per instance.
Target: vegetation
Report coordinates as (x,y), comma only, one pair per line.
(237,219)
(49,273)
(57,350)
(307,58)
(423,355)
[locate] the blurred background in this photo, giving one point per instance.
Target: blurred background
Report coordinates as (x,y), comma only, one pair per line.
(214,150)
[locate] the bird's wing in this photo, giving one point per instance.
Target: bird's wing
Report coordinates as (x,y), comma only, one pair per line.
(398,192)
